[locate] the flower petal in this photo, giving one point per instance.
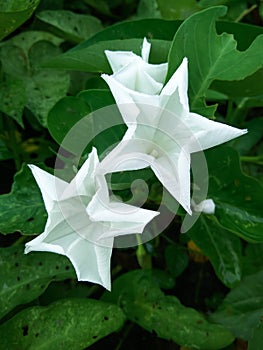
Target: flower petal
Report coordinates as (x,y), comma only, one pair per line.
(135,77)
(91,261)
(123,217)
(209,133)
(119,59)
(146,48)
(84,183)
(179,80)
(77,238)
(127,155)
(173,171)
(51,187)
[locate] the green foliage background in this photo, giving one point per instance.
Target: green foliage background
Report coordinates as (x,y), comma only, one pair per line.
(198,290)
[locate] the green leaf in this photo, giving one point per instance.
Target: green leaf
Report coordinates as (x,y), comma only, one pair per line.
(93,59)
(238,197)
(252,260)
(66,289)
(71,118)
(236,8)
(27,39)
(24,277)
(69,25)
(12,98)
(221,247)
(162,29)
(188,328)
(22,209)
(176,259)
(64,115)
(216,57)
(108,127)
(143,303)
(125,284)
(242,308)
(255,133)
(148,8)
(100,5)
(66,324)
(97,98)
(4,152)
(248,87)
(150,28)
(180,9)
(244,33)
(13,13)
(21,57)
(256,340)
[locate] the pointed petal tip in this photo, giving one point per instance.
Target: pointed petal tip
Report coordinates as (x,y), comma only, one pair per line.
(146,47)
(104,76)
(85,279)
(34,168)
(189,211)
(27,249)
(238,132)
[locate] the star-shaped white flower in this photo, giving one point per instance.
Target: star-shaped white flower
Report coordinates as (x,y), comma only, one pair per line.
(162,132)
(83,220)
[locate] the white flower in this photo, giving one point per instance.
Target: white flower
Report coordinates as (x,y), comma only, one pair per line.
(83,221)
(207,206)
(162,132)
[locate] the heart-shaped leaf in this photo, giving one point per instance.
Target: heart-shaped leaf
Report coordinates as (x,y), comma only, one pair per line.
(211,56)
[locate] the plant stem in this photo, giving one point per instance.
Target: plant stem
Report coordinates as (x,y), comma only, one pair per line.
(20,240)
(245,12)
(143,258)
(252,159)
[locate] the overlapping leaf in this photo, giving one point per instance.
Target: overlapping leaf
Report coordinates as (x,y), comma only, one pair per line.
(238,197)
(93,59)
(66,324)
(21,57)
(69,25)
(222,248)
(24,277)
(150,28)
(13,13)
(211,56)
(22,209)
(242,308)
(64,115)
(252,259)
(12,98)
(256,340)
(71,117)
(162,29)
(145,304)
